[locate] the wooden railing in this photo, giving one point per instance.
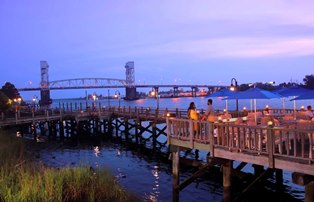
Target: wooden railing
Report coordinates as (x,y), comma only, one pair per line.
(22,116)
(294,143)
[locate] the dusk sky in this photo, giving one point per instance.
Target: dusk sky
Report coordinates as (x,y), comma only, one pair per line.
(182,41)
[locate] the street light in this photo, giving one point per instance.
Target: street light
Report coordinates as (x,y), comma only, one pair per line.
(34,101)
(234,87)
(154,93)
(117,95)
(94,103)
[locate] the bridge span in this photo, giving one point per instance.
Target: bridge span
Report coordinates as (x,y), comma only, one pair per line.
(88,83)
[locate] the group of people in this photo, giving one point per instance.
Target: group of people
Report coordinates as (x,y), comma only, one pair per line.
(209,115)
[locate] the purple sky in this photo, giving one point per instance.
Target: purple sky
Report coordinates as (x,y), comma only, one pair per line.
(199,42)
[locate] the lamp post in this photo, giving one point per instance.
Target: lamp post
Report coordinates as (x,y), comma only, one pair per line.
(234,87)
(94,103)
(154,93)
(34,101)
(117,95)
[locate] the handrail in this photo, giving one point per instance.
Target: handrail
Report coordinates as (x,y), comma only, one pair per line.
(294,144)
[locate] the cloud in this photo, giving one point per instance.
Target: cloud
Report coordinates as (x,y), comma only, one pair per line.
(234,47)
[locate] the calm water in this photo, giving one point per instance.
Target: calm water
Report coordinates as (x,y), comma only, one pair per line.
(149,176)
(183,103)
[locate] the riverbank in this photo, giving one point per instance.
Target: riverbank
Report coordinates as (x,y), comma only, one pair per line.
(24,178)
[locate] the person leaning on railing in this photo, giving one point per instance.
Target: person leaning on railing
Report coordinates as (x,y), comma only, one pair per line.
(210,112)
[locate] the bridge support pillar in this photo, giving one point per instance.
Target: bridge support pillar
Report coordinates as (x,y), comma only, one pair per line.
(130,93)
(175,91)
(45,97)
(194,89)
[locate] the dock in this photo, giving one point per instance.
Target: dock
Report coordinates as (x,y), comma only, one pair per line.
(267,148)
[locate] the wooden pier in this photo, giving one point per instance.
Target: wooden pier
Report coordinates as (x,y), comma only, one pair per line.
(267,148)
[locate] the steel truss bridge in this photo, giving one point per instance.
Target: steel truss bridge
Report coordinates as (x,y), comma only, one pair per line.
(86,83)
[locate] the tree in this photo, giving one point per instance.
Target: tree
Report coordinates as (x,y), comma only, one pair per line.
(10,91)
(4,102)
(309,81)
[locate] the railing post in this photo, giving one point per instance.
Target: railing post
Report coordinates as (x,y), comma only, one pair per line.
(270,146)
(191,131)
(2,115)
(168,131)
(209,129)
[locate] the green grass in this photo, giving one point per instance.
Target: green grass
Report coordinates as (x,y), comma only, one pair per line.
(23,179)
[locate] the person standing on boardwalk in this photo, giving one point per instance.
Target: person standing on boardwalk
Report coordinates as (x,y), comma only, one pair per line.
(210,112)
(309,112)
(192,112)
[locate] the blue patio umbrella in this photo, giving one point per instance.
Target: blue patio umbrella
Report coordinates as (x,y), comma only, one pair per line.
(309,95)
(225,92)
(294,92)
(254,93)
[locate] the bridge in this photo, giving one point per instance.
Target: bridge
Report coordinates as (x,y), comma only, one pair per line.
(88,83)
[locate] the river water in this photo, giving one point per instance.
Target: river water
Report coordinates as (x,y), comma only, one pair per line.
(148,174)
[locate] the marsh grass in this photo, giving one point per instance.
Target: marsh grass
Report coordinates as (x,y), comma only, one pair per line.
(22,179)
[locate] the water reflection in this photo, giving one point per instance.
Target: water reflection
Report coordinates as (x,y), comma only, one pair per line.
(155,191)
(96,151)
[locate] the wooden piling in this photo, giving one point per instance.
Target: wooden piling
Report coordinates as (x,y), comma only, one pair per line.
(227,174)
(309,192)
(175,173)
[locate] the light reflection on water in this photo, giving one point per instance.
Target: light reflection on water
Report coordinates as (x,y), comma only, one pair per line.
(141,174)
(144,174)
(183,103)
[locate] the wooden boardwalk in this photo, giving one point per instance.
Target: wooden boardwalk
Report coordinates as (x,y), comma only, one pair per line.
(275,147)
(282,148)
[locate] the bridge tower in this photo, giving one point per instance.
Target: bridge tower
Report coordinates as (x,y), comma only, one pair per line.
(44,84)
(130,90)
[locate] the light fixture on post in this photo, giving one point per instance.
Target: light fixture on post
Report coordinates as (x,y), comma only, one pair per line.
(117,95)
(34,101)
(234,87)
(154,93)
(94,103)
